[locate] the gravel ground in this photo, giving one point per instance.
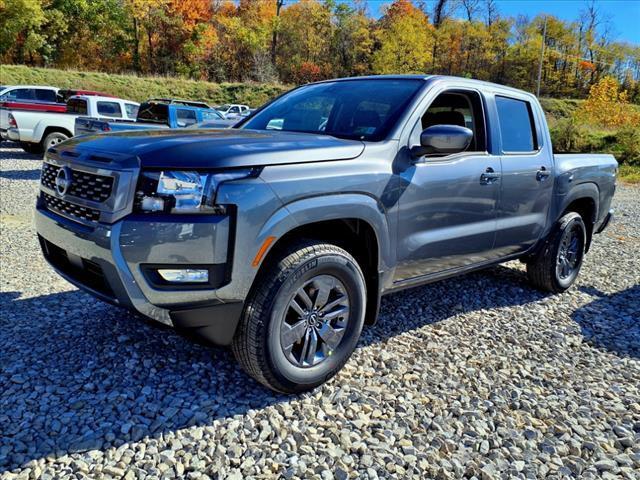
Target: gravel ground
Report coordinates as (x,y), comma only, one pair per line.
(479,376)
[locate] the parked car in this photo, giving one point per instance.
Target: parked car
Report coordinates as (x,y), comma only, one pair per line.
(22,96)
(37,131)
(233,110)
(280,243)
(157,113)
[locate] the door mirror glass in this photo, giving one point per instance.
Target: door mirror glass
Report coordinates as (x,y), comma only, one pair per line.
(443,139)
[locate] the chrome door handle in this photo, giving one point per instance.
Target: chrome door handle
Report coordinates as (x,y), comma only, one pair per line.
(489,176)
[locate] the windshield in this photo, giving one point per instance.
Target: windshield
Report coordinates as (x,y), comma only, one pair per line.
(354,109)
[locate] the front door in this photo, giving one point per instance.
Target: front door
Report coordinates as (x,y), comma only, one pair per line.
(447,211)
(447,215)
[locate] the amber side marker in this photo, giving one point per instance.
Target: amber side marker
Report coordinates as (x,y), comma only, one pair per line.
(263,249)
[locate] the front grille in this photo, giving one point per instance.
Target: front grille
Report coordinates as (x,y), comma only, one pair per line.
(70,209)
(85,272)
(88,186)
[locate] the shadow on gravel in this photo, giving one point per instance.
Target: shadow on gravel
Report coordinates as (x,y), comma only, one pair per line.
(16,153)
(77,374)
(612,321)
(21,174)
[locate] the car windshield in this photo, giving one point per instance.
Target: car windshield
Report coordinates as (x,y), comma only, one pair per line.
(224,107)
(353,109)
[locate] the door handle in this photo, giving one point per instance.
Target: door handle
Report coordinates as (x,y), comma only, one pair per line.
(542,174)
(489,176)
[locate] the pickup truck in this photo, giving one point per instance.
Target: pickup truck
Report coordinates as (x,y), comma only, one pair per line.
(37,131)
(12,102)
(233,110)
(158,113)
(281,241)
(24,94)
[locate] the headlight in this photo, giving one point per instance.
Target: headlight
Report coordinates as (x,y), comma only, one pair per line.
(173,191)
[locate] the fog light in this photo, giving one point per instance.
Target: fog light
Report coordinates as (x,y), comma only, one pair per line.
(187,275)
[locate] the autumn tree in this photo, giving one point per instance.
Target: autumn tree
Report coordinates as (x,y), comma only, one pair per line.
(608,106)
(404,40)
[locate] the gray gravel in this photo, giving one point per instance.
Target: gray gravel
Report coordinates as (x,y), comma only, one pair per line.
(479,376)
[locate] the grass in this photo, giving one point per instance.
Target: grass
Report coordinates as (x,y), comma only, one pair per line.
(142,88)
(629,174)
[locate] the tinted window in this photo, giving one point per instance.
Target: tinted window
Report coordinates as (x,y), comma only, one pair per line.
(132,110)
(460,108)
(186,117)
(212,115)
(77,106)
(516,125)
(45,95)
(234,110)
(109,109)
(358,109)
(154,113)
(21,94)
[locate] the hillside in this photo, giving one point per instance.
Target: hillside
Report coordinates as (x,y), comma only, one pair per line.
(142,88)
(567,135)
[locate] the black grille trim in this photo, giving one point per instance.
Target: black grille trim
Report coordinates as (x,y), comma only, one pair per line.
(69,209)
(88,186)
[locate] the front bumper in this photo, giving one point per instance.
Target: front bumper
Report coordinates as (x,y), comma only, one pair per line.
(113,262)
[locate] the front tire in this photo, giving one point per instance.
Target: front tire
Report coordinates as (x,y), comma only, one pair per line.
(555,268)
(303,319)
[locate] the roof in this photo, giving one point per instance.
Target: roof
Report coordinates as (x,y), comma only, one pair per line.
(176,101)
(102,98)
(48,87)
(426,77)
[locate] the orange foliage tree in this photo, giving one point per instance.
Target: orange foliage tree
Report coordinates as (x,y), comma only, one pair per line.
(608,106)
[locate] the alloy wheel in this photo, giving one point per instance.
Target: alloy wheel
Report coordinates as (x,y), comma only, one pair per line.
(314,321)
(569,252)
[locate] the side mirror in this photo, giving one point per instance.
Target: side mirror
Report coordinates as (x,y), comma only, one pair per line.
(444,139)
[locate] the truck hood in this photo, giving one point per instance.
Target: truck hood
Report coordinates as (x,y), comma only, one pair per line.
(214,148)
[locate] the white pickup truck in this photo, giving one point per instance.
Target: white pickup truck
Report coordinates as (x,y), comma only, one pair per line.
(37,131)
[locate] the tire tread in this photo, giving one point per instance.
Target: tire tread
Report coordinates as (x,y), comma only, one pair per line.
(248,346)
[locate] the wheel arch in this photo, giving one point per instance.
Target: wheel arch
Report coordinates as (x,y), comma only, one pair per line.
(583,199)
(41,132)
(365,235)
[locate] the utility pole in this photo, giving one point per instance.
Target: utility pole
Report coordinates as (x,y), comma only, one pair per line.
(544,40)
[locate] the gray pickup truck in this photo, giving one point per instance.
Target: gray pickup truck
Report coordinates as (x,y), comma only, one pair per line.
(279,237)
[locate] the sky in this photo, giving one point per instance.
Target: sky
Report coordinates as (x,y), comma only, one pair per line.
(623,14)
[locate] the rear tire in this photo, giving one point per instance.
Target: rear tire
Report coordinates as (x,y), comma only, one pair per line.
(303,318)
(555,268)
(53,139)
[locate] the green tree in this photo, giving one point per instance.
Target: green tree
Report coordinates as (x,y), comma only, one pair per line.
(405,40)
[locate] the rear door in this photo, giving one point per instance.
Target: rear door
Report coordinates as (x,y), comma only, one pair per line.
(527,173)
